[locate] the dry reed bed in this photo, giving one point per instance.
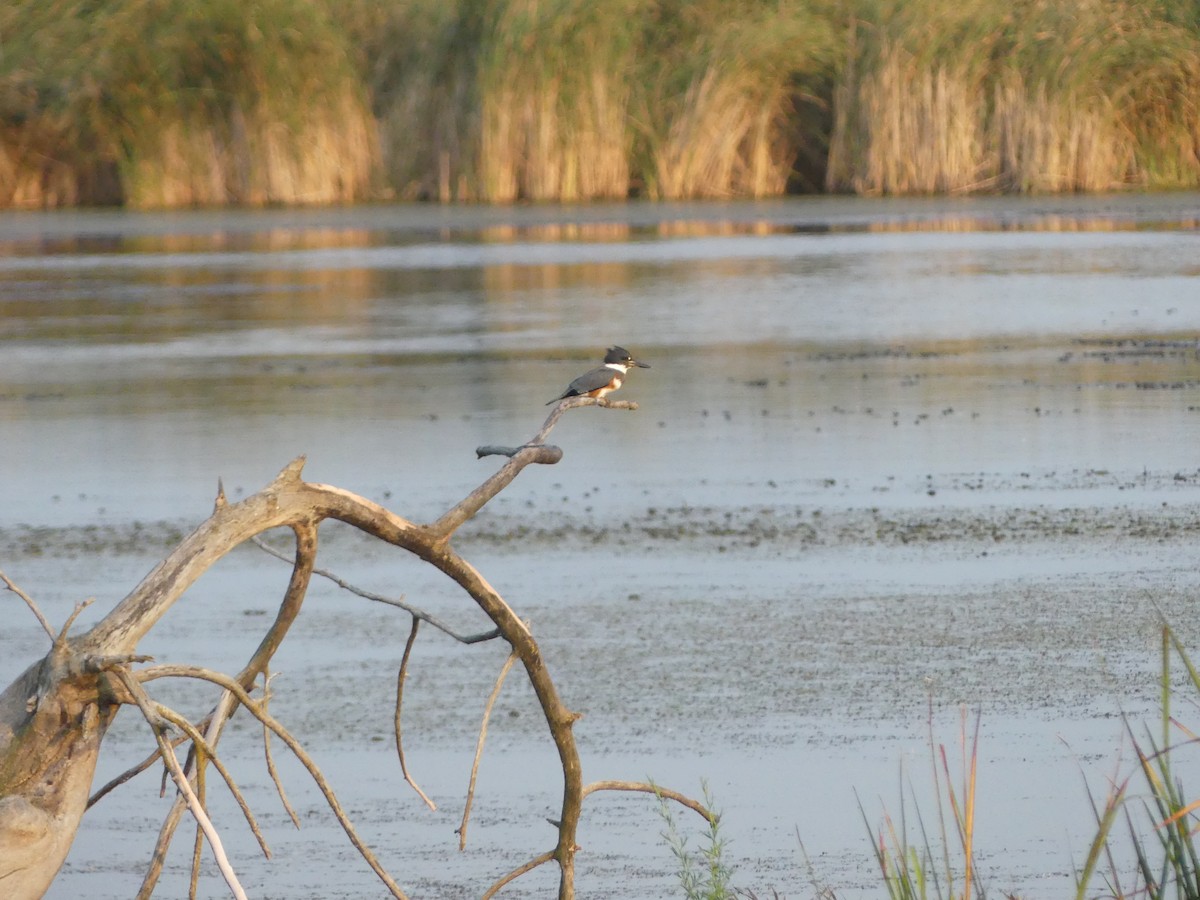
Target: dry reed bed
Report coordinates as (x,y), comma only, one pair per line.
(166,103)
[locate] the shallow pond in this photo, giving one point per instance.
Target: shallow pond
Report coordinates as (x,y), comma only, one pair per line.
(889,455)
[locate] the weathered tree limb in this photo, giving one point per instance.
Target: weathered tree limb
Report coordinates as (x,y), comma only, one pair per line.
(214,724)
(516,873)
(255,709)
(130,773)
(53,717)
(415,611)
(646,787)
(207,753)
(553,454)
(289,608)
(198,837)
(594,787)
(158,725)
(51,725)
(270,759)
(401,675)
(33,607)
(483,728)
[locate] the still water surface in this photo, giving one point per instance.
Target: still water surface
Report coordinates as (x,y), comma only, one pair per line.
(886,449)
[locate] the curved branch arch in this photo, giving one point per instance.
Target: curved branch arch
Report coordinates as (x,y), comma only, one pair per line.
(53,717)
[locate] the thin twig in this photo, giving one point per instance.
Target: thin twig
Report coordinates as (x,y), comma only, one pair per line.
(534,451)
(517,873)
(414,611)
(198,840)
(131,772)
(638,786)
(214,723)
(161,845)
(400,676)
(646,788)
(33,607)
(271,758)
(539,439)
(79,607)
(138,693)
(206,753)
(220,678)
(483,727)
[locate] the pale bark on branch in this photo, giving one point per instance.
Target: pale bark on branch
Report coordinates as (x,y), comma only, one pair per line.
(53,717)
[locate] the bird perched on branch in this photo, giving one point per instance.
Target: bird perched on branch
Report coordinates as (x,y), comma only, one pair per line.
(604,379)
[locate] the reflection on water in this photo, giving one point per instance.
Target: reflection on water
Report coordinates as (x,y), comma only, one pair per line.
(831,339)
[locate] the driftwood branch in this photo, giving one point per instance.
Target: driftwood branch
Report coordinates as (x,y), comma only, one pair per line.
(255,709)
(483,728)
(596,786)
(207,753)
(415,611)
(158,726)
(552,454)
(33,607)
(401,675)
(214,723)
(644,787)
(54,716)
(270,758)
(517,873)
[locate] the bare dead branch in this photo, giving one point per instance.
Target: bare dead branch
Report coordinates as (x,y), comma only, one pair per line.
(303,566)
(535,451)
(647,788)
(198,839)
(595,787)
(79,607)
(574,403)
(130,773)
(252,706)
(549,455)
(559,719)
(539,439)
(168,754)
(517,873)
(483,727)
(288,501)
(159,857)
(270,757)
(414,611)
(214,722)
(206,753)
(33,607)
(400,676)
(213,725)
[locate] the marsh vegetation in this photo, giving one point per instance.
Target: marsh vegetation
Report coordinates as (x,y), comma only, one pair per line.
(169,103)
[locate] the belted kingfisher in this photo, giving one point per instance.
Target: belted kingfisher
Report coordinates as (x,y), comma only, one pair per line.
(604,379)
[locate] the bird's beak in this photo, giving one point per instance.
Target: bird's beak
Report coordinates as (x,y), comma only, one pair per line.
(641,365)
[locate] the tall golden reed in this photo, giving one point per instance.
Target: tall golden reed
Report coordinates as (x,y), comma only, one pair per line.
(554,92)
(177,102)
(718,96)
(574,100)
(1042,95)
(170,103)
